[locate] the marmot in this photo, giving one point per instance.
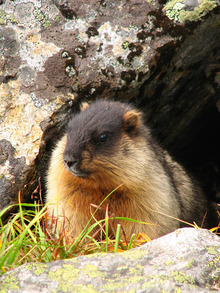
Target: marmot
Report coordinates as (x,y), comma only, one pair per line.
(105,146)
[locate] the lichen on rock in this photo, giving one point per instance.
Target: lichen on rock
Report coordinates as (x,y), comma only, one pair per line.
(133,270)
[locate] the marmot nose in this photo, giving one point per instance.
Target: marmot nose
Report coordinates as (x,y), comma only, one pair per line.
(71,164)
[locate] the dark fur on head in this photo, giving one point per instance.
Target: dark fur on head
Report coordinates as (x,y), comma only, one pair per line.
(96,131)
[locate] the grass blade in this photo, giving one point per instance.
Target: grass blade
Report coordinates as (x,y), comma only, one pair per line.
(117,237)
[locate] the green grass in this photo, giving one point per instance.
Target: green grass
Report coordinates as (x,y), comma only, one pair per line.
(26,238)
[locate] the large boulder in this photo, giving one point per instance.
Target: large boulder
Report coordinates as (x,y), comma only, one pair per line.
(187,260)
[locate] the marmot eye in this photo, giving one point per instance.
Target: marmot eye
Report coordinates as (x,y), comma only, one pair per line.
(103,137)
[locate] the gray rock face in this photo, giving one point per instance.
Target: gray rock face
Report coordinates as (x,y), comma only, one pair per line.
(187,260)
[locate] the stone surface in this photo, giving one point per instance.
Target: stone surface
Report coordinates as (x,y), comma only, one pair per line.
(187,260)
(55,54)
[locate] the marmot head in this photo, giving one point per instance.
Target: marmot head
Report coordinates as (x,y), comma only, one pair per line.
(101,139)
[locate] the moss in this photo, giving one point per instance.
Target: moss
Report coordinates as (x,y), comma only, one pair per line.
(134,254)
(162,278)
(181,259)
(65,276)
(56,18)
(40,269)
(181,277)
(66,273)
(215,263)
(122,268)
(212,250)
(139,267)
(169,262)
(112,286)
(12,19)
(190,263)
(136,271)
(41,17)
(29,266)
(10,283)
(175,10)
(3,17)
(91,271)
(125,45)
(134,279)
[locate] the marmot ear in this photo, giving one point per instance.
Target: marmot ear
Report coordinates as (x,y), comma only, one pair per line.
(84,106)
(131,121)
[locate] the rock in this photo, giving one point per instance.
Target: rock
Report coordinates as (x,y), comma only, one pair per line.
(54,54)
(187,260)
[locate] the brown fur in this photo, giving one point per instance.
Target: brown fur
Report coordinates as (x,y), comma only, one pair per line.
(85,167)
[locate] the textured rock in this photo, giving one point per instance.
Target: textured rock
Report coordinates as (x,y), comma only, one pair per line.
(56,53)
(186,260)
